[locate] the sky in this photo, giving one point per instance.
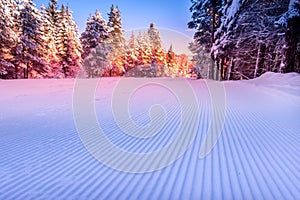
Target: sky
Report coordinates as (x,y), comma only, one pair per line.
(171,16)
(135,14)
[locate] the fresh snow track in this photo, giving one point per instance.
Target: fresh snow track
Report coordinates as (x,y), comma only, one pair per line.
(256,157)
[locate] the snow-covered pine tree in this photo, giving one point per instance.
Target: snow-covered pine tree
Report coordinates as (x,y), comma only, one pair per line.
(290,21)
(147,50)
(61,40)
(158,58)
(222,67)
(202,60)
(154,37)
(116,41)
(157,53)
(206,19)
(96,31)
(8,38)
(26,56)
(131,54)
(171,67)
(74,49)
(53,10)
(96,62)
(131,43)
(68,44)
(52,15)
(139,48)
(49,51)
(144,49)
(184,65)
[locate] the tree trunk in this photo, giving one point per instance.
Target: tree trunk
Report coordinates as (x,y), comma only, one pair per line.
(257,61)
(282,64)
(212,69)
(213,22)
(208,72)
(26,71)
(261,67)
(16,72)
(217,72)
(225,69)
(212,76)
(222,70)
(231,68)
(291,39)
(274,69)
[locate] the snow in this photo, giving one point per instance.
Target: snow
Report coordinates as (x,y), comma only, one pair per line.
(256,156)
(230,12)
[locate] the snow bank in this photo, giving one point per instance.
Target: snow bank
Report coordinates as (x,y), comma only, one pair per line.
(287,83)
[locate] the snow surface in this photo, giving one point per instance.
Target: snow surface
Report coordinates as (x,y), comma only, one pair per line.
(256,157)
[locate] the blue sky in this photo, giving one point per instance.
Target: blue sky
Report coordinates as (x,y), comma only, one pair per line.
(170,17)
(136,14)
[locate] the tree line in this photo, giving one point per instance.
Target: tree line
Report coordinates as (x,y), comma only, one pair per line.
(38,43)
(107,53)
(238,39)
(45,43)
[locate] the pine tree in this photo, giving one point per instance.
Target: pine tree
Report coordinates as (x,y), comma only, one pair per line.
(8,37)
(157,53)
(49,51)
(116,41)
(74,51)
(154,37)
(62,40)
(201,59)
(26,56)
(53,9)
(130,58)
(290,21)
(205,19)
(131,44)
(68,44)
(52,23)
(184,66)
(171,67)
(144,49)
(96,31)
(52,17)
(96,62)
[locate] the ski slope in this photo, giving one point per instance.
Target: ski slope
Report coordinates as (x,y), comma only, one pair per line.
(47,150)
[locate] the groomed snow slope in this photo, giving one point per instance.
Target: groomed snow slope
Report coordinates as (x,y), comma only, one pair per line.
(256,157)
